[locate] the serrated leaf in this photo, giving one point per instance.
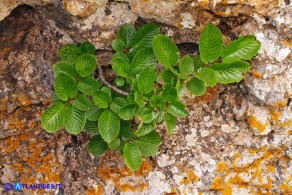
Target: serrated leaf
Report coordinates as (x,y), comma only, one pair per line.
(144,58)
(198,63)
(186,66)
(147,115)
(122,56)
(144,129)
(230,73)
(169,93)
(207,75)
(127,111)
(155,100)
(121,67)
(64,67)
(242,49)
(170,122)
(74,120)
(165,50)
(146,80)
(131,98)
(65,87)
(177,109)
(167,76)
(91,127)
(69,53)
(109,126)
(97,145)
(81,102)
(126,132)
(101,99)
(126,33)
(85,64)
(144,35)
(196,86)
(107,90)
(139,99)
(118,45)
(87,47)
(53,117)
(132,156)
(117,104)
(210,43)
(148,144)
(115,144)
(93,113)
(87,85)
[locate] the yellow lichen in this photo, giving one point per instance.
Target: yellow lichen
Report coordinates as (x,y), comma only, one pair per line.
(191,177)
(220,167)
(275,115)
(255,123)
(255,74)
(280,104)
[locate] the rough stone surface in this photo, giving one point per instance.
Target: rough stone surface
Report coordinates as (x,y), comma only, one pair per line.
(235,140)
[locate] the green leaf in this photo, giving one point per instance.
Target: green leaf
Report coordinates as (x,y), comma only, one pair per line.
(132,156)
(120,81)
(207,75)
(210,43)
(127,111)
(87,47)
(230,73)
(131,98)
(97,145)
(165,50)
(169,93)
(170,122)
(196,86)
(242,49)
(115,144)
(122,56)
(74,120)
(156,100)
(106,90)
(177,109)
(65,87)
(139,99)
(147,115)
(101,99)
(167,76)
(186,66)
(117,104)
(53,117)
(64,67)
(118,45)
(91,127)
(148,144)
(93,113)
(144,129)
(126,33)
(109,126)
(69,53)
(85,64)
(81,102)
(87,85)
(144,58)
(144,35)
(121,67)
(126,132)
(198,63)
(146,80)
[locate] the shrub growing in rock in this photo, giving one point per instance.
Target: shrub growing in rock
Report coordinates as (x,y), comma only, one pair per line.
(123,115)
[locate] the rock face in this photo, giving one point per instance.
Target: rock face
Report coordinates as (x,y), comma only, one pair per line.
(236,139)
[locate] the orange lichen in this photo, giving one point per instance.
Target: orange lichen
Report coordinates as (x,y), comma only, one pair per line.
(217,183)
(191,177)
(209,96)
(275,115)
(280,104)
(98,190)
(285,124)
(256,74)
(255,123)
(115,174)
(220,167)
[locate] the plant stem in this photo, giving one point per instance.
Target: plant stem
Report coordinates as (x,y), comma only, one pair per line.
(106,83)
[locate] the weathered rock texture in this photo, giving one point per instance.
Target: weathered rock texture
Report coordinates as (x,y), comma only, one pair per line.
(236,139)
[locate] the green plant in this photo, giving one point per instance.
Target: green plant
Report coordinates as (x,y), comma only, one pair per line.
(124,115)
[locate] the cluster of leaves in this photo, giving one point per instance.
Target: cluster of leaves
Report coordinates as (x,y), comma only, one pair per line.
(128,123)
